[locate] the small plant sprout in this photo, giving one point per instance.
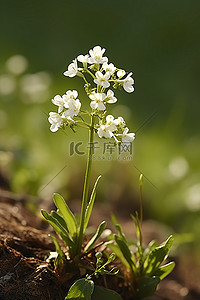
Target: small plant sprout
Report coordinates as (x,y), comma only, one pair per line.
(145,265)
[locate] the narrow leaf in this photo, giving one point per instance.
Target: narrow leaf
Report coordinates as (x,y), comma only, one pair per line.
(82,289)
(141,180)
(119,229)
(126,252)
(90,204)
(98,233)
(59,229)
(114,219)
(163,271)
(137,226)
(68,216)
(106,294)
(147,286)
(60,219)
(61,259)
(158,255)
(118,252)
(58,248)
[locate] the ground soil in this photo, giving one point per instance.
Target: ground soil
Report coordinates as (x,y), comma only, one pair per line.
(25,274)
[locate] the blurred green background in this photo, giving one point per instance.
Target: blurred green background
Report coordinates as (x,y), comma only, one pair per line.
(157,40)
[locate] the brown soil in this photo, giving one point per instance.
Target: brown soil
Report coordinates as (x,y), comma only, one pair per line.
(25,274)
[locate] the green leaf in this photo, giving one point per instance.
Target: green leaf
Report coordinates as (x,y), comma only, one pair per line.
(90,204)
(157,256)
(111,258)
(105,294)
(98,233)
(114,219)
(82,289)
(118,253)
(60,219)
(68,216)
(146,286)
(58,248)
(163,271)
(59,229)
(61,259)
(141,180)
(119,229)
(126,252)
(137,226)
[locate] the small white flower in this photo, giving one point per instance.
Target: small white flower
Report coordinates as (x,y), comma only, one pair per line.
(96,55)
(73,108)
(128,83)
(110,97)
(102,79)
(127,137)
(97,101)
(55,120)
(109,67)
(104,131)
(110,121)
(120,122)
(72,69)
(59,101)
(71,94)
(121,73)
(83,58)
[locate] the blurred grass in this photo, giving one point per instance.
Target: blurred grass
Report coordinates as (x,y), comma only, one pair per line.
(159,42)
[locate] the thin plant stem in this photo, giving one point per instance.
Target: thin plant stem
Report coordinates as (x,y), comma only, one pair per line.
(86,185)
(88,71)
(140,198)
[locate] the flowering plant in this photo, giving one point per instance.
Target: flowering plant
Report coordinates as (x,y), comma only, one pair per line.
(102,75)
(70,115)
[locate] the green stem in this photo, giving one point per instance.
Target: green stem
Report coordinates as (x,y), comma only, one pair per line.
(140,199)
(84,79)
(91,74)
(86,185)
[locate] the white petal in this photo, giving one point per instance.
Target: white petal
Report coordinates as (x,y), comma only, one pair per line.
(128,87)
(99,75)
(83,58)
(121,73)
(69,73)
(105,84)
(60,109)
(128,138)
(101,106)
(109,118)
(93,105)
(54,127)
(112,100)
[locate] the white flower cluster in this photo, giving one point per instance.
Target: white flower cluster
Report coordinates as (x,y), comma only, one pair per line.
(111,126)
(103,75)
(68,107)
(108,72)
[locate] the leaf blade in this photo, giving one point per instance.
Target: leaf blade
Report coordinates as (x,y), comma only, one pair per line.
(90,204)
(102,293)
(67,214)
(95,237)
(62,232)
(158,255)
(126,252)
(165,270)
(82,289)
